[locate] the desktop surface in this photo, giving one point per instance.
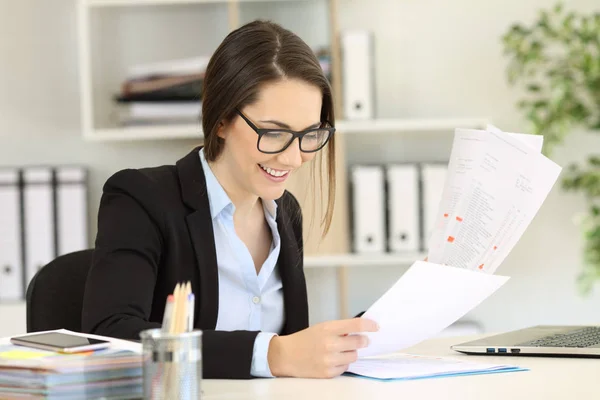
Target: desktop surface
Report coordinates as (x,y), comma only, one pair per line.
(548,378)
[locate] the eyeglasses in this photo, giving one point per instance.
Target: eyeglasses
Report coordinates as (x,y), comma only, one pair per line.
(271,141)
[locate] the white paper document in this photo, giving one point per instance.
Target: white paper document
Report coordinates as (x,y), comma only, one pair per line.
(496,184)
(425,300)
(536,142)
(468,149)
(409,366)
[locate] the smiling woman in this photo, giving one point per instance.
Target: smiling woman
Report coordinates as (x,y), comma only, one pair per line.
(260,162)
(281,87)
(222,219)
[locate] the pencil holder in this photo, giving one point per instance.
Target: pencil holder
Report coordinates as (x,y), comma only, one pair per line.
(172,365)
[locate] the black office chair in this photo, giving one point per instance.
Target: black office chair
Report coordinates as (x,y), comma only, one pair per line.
(55,294)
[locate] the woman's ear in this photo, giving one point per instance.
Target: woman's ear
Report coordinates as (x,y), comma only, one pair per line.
(221,132)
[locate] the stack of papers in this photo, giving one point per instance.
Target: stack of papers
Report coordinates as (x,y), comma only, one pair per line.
(495,185)
(113,373)
(163,92)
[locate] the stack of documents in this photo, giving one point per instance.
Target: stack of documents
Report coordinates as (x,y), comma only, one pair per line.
(30,373)
(495,184)
(165,92)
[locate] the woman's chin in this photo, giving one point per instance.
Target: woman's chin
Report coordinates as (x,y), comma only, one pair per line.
(271,193)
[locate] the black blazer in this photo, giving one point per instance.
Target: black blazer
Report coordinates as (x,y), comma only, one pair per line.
(155,230)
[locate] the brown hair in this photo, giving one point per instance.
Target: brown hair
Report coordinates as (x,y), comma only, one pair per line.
(249,57)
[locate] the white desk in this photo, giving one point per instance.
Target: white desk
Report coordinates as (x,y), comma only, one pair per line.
(548,378)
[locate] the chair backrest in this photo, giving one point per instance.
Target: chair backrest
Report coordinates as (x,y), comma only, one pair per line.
(55,294)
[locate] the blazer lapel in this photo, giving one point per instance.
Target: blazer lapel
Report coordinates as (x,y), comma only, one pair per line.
(290,266)
(199,223)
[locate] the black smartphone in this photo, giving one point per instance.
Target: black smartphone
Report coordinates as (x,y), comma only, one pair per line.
(60,342)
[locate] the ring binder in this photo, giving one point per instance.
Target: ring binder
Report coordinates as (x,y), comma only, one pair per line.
(11,267)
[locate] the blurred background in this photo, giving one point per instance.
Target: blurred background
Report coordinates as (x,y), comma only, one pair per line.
(90,87)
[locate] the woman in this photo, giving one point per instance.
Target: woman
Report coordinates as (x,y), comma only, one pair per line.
(222,219)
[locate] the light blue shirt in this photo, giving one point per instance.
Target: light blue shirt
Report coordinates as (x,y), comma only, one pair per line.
(247,300)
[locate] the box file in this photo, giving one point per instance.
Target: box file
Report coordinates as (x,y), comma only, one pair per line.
(38,207)
(368,209)
(357,74)
(403,207)
(11,266)
(71,209)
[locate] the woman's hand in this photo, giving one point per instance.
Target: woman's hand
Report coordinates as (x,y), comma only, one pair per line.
(321,351)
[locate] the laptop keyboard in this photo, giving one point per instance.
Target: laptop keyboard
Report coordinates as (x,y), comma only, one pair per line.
(585,337)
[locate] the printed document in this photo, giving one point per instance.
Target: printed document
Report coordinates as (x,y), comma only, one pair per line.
(496,184)
(409,366)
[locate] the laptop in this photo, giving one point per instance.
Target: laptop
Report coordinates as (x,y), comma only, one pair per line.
(541,340)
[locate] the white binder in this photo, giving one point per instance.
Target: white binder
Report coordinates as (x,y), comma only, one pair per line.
(11,266)
(368,206)
(39,219)
(433,177)
(71,209)
(357,74)
(403,207)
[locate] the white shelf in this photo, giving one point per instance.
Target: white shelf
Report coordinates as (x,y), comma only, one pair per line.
(113,3)
(409,125)
(165,132)
(362,260)
(156,132)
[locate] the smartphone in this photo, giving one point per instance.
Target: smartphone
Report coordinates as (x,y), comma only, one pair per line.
(60,342)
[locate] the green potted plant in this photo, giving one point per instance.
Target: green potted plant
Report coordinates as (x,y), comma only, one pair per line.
(556,62)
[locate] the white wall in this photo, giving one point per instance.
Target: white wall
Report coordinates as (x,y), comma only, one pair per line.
(433,59)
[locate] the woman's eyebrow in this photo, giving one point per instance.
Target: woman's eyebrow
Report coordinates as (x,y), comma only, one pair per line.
(286,126)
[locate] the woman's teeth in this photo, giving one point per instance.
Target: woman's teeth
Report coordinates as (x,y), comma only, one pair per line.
(274,172)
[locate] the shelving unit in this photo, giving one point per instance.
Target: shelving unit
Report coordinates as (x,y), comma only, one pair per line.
(97,84)
(104,34)
(375,126)
(95,106)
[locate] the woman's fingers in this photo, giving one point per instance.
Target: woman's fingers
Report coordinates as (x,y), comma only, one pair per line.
(351,342)
(353,325)
(347,357)
(336,371)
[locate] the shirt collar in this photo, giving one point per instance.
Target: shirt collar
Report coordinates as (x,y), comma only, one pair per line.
(270,206)
(218,198)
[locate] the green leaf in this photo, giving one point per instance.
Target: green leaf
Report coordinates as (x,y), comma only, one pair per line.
(558,8)
(594,160)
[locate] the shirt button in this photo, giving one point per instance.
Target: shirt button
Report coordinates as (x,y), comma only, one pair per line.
(256,299)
